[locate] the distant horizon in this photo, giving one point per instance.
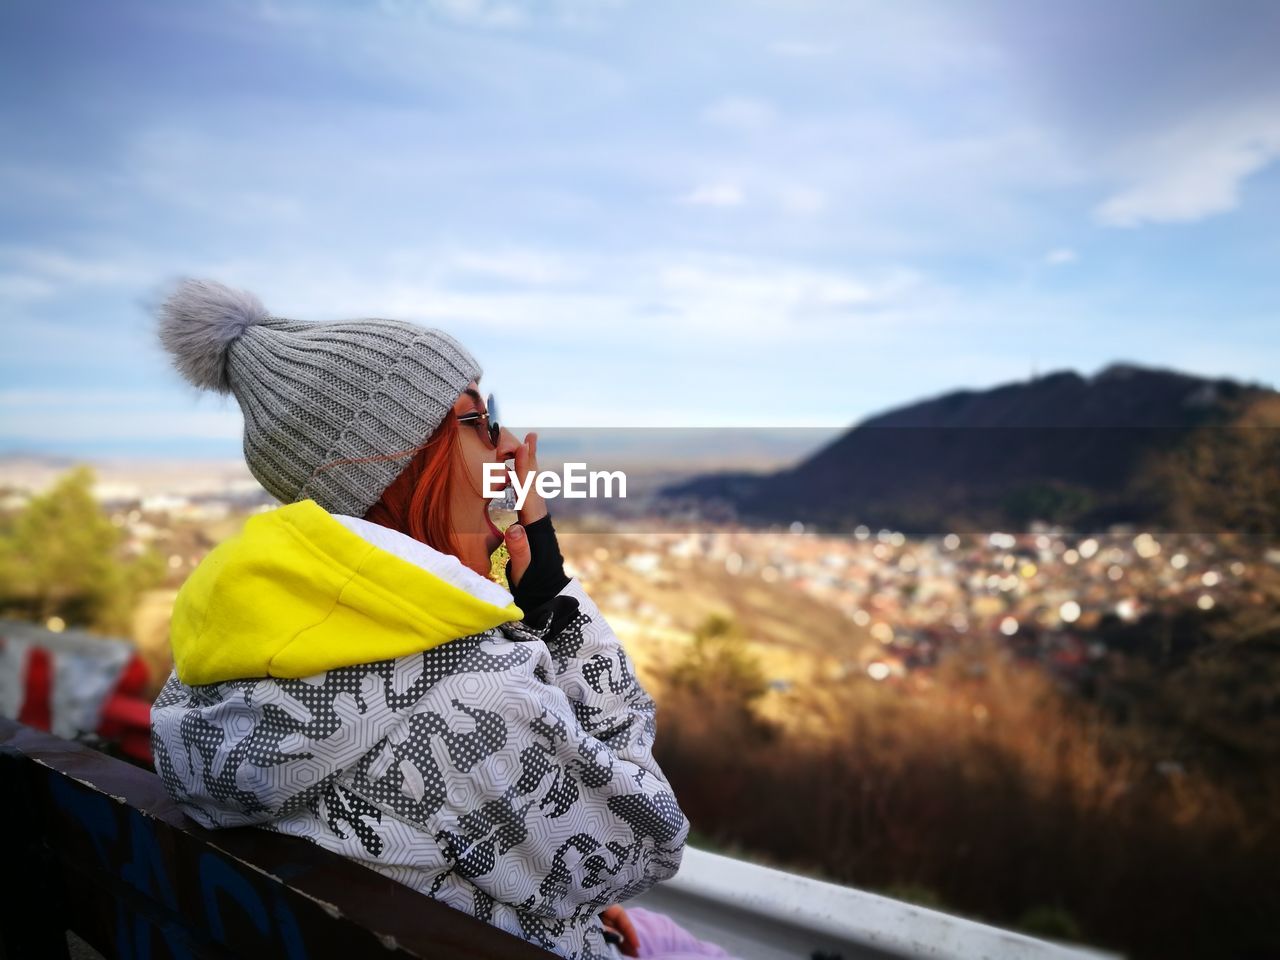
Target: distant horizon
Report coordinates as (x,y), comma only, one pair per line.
(230,449)
(659,447)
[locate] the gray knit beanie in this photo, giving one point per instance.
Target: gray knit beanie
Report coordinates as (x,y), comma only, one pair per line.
(316,393)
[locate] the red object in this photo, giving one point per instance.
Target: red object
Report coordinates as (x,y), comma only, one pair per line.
(36,705)
(126,714)
(125,717)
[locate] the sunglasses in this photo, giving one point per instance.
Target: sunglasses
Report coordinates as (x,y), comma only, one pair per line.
(490,416)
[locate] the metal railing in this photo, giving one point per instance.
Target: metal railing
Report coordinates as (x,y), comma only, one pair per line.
(759,913)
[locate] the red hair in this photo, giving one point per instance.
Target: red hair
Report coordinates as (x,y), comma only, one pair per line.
(417,501)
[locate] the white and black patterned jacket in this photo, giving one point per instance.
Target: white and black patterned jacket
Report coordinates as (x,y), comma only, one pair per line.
(507,772)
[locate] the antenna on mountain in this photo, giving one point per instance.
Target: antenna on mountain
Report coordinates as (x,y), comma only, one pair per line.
(1033,369)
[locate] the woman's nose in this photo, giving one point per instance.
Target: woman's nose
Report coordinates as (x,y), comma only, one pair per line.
(507,444)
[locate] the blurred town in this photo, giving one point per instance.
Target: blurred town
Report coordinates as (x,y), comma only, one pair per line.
(880,605)
(874,603)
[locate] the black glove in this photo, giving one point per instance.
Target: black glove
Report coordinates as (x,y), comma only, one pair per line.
(545,577)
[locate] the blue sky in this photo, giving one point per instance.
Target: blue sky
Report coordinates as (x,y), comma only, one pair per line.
(751,213)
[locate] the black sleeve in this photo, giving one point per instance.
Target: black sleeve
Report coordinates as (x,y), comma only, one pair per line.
(545,577)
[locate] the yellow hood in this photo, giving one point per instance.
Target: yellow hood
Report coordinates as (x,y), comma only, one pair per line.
(298,592)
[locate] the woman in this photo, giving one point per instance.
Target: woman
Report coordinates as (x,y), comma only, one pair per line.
(346,671)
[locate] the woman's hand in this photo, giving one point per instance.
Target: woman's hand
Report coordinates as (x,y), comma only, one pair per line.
(526,457)
(616,919)
(535,572)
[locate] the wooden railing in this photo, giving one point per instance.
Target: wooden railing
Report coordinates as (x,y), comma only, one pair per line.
(94,845)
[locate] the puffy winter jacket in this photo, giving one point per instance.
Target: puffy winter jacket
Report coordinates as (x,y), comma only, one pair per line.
(343,682)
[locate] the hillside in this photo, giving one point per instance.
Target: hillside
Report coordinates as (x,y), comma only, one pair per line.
(1083,452)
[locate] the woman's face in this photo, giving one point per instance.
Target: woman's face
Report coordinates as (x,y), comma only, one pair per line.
(469,511)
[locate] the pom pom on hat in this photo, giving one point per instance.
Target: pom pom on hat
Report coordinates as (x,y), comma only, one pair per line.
(199,322)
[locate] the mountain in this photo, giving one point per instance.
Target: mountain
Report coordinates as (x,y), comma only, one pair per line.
(1063,448)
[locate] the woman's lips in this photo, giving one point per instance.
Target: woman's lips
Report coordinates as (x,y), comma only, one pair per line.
(489,519)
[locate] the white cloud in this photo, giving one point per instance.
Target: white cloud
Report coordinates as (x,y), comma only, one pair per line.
(31,274)
(27,398)
(485,13)
(40,265)
(531,267)
(763,300)
(715,195)
(1060,255)
(740,113)
(19,289)
(96,415)
(603,297)
(499,14)
(801,200)
(1194,171)
(77,419)
(801,49)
